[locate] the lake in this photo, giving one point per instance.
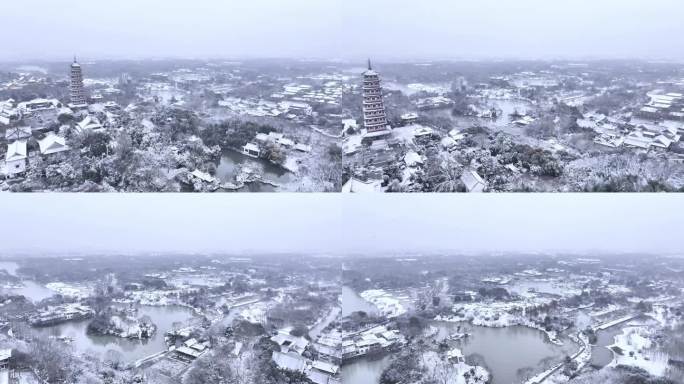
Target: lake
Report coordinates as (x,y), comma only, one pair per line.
(509,351)
(511,354)
(230,164)
(29,289)
(365,371)
(162,317)
(352,302)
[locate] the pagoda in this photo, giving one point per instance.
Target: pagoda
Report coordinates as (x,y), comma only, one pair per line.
(374,116)
(76,91)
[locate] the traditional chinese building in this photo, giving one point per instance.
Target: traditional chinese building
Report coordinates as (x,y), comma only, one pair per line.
(374,116)
(77,93)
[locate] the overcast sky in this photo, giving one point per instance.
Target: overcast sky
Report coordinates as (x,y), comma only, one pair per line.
(341,224)
(349,29)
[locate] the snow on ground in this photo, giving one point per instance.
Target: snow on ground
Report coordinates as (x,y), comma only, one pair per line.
(637,350)
(452,370)
(497,315)
(388,304)
(291,165)
(69,290)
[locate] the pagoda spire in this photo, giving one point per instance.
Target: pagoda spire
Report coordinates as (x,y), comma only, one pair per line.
(370,67)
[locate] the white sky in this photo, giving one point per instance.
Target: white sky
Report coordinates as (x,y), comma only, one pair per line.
(353,29)
(341,224)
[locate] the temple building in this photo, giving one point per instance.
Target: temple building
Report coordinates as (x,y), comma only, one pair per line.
(374,116)
(78,99)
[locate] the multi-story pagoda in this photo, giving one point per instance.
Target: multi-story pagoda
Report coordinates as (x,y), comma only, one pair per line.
(77,93)
(374,116)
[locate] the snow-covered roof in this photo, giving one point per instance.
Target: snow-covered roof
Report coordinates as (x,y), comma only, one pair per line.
(303,147)
(17,133)
(358,186)
(473,181)
(325,366)
(52,144)
(5,354)
(289,361)
(204,177)
(16,151)
(251,147)
(89,122)
(285,142)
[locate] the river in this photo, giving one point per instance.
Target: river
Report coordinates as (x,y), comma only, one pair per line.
(352,302)
(229,167)
(162,317)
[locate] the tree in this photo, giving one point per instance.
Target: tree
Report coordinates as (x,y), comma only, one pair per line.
(114,359)
(207,370)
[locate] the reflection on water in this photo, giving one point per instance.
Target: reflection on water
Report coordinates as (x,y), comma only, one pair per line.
(163,317)
(352,302)
(230,164)
(365,371)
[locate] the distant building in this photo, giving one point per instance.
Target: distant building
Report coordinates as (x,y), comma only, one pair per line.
(409,118)
(38,105)
(76,90)
(374,116)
